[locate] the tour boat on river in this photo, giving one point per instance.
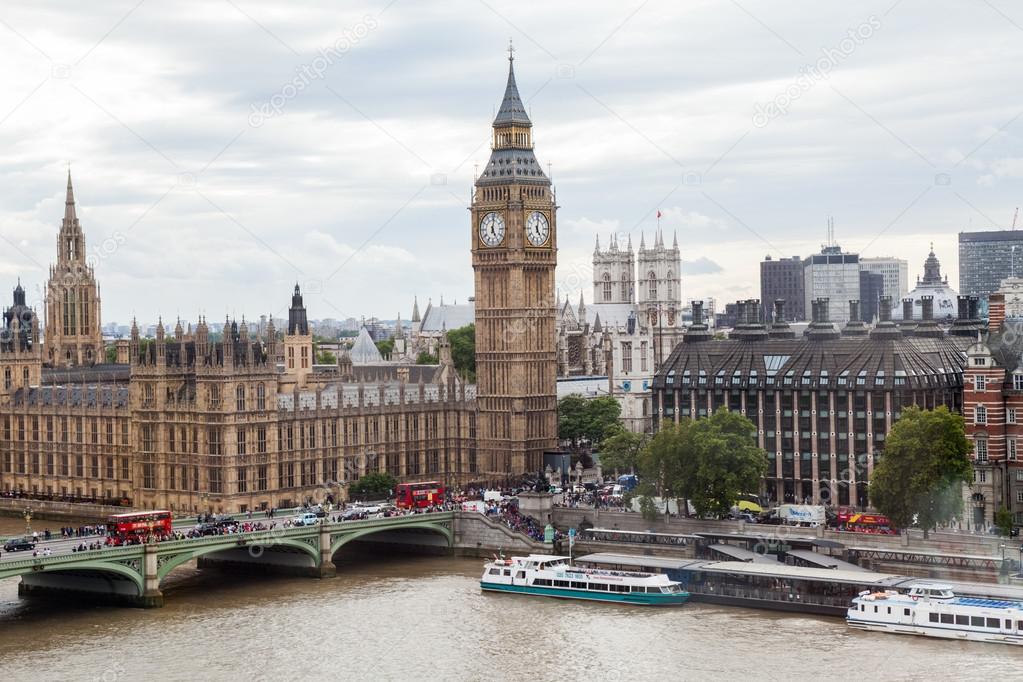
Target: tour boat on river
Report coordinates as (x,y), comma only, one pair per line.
(934,611)
(555,576)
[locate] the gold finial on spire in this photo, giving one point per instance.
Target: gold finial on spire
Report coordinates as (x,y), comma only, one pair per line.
(511,50)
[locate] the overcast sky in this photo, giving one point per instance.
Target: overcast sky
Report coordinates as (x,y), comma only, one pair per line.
(223,149)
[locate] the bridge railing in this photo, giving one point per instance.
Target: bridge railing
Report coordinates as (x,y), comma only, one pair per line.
(106,553)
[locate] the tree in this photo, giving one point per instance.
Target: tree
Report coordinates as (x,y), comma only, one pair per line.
(426,358)
(374,485)
(325,357)
(386,347)
(620,451)
(1003,519)
(923,468)
(727,462)
(582,420)
(463,351)
(111,354)
(708,462)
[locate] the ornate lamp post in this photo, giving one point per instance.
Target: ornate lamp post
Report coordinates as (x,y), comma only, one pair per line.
(27,515)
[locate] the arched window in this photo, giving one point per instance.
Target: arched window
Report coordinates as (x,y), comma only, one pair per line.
(7,378)
(652,283)
(239,395)
(607,287)
(980,415)
(260,397)
(24,377)
(671,288)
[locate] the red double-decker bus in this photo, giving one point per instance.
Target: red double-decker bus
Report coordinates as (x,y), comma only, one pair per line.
(418,495)
(139,525)
(857,522)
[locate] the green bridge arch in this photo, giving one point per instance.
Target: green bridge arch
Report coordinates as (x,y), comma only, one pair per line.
(64,565)
(441,527)
(171,559)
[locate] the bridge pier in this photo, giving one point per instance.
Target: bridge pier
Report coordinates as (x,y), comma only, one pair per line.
(152,597)
(326,568)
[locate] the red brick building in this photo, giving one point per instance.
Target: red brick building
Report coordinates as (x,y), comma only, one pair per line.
(993,409)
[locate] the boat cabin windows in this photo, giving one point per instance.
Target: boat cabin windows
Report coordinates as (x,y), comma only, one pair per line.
(993,623)
(543,582)
(906,612)
(962,620)
(507,571)
(947,619)
(520,574)
(578,586)
(977,621)
(933,617)
(494,571)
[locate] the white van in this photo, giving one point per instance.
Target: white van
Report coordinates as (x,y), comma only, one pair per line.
(307,519)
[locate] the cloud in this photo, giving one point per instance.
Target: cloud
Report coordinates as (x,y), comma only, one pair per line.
(700,266)
(371,164)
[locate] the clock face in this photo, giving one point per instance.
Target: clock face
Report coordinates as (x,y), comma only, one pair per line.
(537,228)
(492,229)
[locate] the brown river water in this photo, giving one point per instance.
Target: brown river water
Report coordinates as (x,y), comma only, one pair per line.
(399,617)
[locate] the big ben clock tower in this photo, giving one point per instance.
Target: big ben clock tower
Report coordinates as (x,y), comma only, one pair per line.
(514,252)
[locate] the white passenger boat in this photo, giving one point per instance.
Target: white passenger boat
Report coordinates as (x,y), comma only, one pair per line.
(554,576)
(934,610)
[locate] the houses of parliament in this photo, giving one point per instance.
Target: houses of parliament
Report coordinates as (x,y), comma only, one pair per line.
(239,421)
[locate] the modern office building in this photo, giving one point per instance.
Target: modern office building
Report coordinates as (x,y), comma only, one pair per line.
(782,279)
(871,291)
(894,271)
(986,258)
(835,276)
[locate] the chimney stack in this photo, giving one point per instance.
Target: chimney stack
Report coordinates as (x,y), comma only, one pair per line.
(927,306)
(697,312)
(884,310)
(907,310)
(779,310)
(854,310)
(995,311)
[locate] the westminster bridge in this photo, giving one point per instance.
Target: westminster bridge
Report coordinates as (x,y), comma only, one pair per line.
(132,575)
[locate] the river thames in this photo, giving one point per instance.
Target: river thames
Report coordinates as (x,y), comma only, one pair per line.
(391,617)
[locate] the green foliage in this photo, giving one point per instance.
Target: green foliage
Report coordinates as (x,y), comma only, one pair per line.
(645,492)
(1003,519)
(709,461)
(463,351)
(581,420)
(325,357)
(374,484)
(111,354)
(425,358)
(923,468)
(386,347)
(620,451)
(347,335)
(317,339)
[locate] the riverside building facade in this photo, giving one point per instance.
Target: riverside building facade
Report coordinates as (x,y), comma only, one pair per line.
(822,404)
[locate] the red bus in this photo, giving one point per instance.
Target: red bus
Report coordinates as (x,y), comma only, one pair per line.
(865,523)
(418,495)
(139,525)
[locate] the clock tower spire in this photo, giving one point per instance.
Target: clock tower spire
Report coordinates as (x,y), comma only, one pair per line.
(514,253)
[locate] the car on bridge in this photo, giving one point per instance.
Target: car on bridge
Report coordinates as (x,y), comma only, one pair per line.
(307,519)
(19,545)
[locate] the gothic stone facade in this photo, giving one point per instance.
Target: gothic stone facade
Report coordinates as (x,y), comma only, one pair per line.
(514,253)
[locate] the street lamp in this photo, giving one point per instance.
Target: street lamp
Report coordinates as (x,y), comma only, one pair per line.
(27,515)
